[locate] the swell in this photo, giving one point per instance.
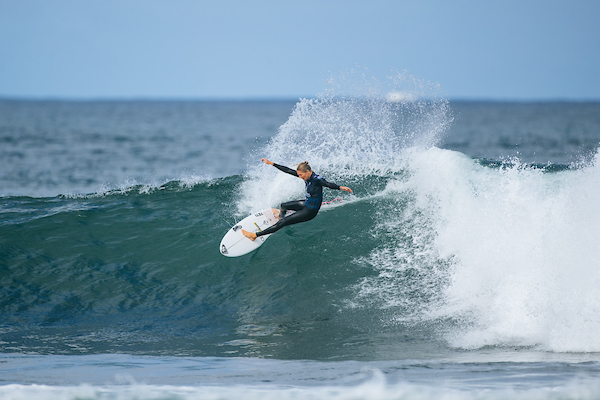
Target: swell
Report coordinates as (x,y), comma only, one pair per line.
(424,254)
(140,271)
(77,261)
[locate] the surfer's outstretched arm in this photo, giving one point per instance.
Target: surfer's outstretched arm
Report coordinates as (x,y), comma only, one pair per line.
(282,168)
(332,185)
(290,171)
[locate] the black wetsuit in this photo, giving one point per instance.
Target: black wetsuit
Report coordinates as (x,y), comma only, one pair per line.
(305,210)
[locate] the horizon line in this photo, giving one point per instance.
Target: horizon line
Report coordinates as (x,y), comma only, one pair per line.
(465,99)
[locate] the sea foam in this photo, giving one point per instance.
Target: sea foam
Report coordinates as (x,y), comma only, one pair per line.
(523,248)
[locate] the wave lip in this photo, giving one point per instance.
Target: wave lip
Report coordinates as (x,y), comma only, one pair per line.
(347,136)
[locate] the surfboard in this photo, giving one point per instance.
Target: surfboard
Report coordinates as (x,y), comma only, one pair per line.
(235,244)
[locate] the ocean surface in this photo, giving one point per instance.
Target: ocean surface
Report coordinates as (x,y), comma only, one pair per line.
(465,265)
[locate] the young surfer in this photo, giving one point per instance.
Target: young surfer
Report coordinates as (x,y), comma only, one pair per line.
(305,210)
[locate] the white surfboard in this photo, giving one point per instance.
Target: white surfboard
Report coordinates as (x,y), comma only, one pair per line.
(235,244)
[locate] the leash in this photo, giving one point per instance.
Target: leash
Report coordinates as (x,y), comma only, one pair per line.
(336,199)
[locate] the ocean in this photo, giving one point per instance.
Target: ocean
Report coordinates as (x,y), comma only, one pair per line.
(465,265)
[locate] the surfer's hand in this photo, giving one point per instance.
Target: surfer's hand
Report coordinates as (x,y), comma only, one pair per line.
(345,189)
(266,161)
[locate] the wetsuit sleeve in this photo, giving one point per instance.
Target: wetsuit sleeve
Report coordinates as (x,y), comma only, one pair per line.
(330,185)
(285,169)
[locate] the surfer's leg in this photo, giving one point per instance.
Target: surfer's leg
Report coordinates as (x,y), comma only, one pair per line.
(295,205)
(302,214)
(276,213)
(250,235)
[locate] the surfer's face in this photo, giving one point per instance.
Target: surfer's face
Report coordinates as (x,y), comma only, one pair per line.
(304,175)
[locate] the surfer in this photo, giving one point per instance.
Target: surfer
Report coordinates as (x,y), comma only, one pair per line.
(305,210)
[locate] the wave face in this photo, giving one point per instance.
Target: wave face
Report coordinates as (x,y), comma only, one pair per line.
(443,251)
(435,252)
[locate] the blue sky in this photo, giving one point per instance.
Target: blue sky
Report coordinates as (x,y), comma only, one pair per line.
(522,49)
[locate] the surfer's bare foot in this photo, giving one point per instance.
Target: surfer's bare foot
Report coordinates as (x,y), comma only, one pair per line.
(276,213)
(249,235)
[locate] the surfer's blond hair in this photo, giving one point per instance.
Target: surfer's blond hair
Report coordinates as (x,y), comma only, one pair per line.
(303,167)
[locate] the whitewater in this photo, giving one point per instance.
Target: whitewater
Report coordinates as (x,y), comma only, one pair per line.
(464,265)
